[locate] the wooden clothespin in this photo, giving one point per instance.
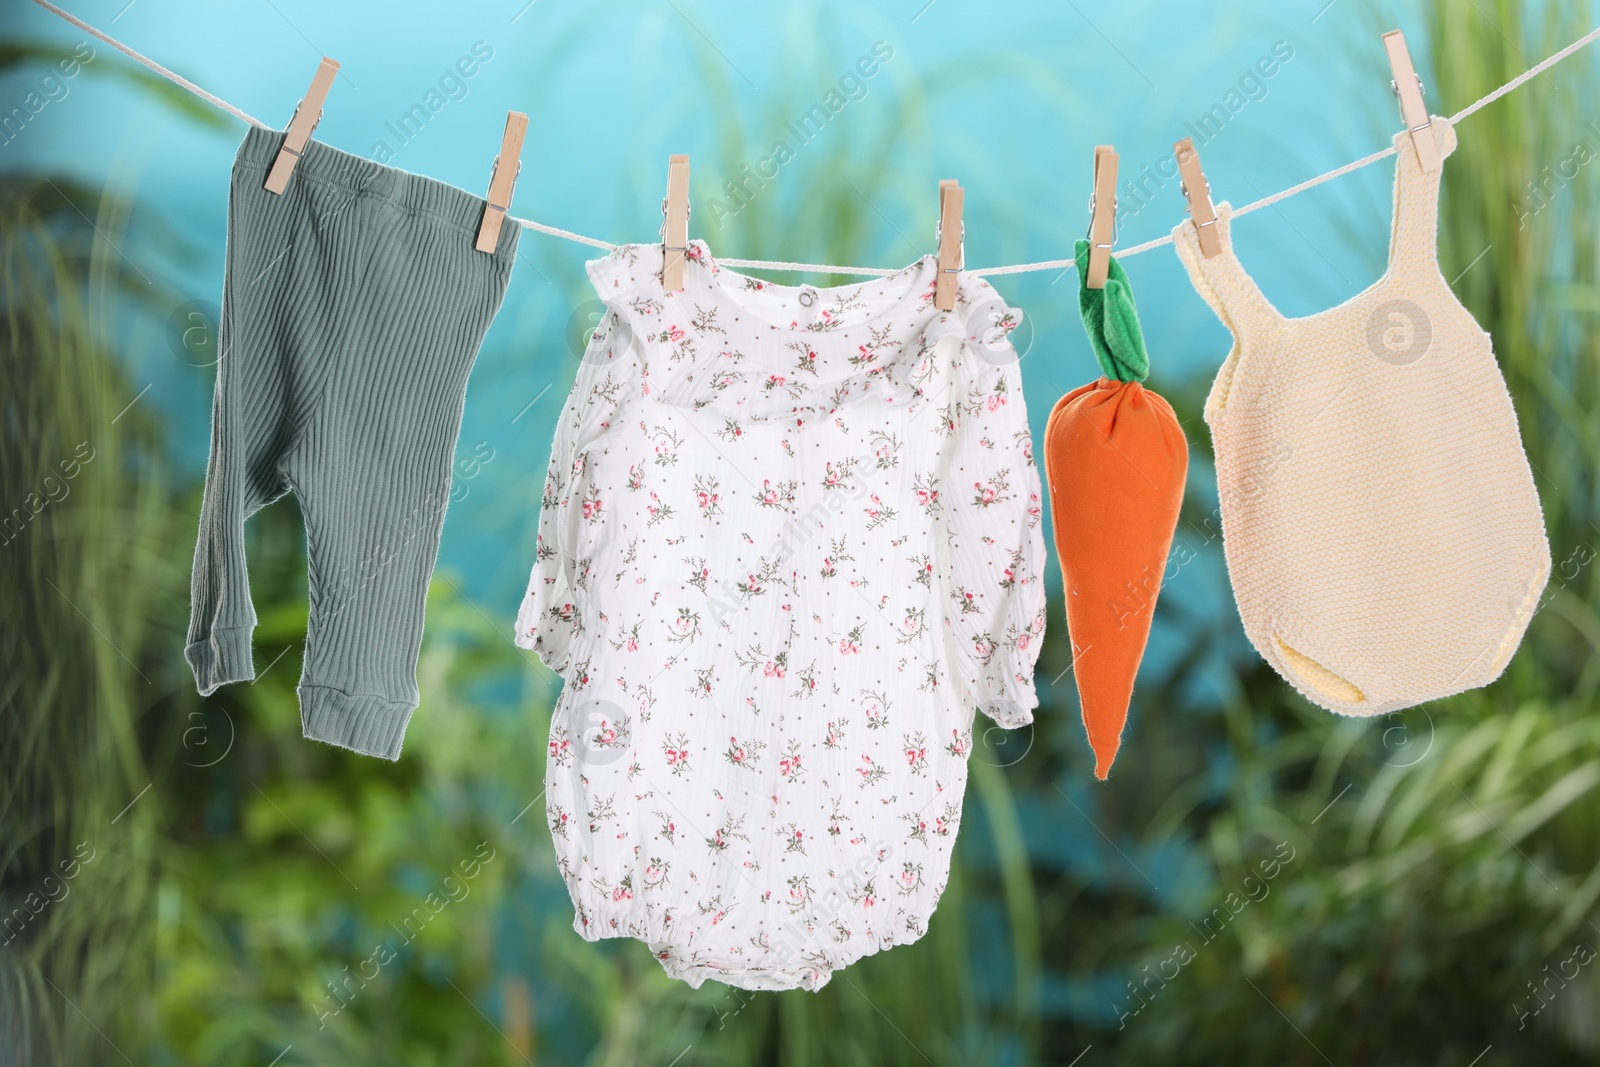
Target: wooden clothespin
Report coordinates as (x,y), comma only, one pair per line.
(952,244)
(675,225)
(306,116)
(1408,87)
(1198,193)
(502,179)
(1102,215)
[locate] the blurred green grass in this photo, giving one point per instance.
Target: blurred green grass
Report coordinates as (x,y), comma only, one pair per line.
(254,896)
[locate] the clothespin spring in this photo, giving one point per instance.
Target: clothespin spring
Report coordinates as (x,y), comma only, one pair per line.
(961,247)
(688,210)
(1422,90)
(1090,232)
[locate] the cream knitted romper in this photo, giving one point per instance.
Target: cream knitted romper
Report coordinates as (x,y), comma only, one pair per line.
(1379,519)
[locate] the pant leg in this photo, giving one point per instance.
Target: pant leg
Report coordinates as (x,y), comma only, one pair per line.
(372,469)
(255,408)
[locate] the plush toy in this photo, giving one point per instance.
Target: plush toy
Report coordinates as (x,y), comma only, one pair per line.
(1116,460)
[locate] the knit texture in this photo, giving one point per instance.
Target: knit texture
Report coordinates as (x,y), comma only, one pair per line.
(353,307)
(1380,523)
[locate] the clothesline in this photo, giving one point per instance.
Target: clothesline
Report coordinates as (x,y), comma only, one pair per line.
(827,268)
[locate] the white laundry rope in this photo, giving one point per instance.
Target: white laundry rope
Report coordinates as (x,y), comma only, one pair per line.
(825,268)
(176,79)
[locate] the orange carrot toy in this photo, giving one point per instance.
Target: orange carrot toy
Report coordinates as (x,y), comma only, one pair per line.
(1116,460)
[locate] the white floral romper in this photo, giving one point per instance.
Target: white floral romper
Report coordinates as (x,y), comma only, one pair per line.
(789,542)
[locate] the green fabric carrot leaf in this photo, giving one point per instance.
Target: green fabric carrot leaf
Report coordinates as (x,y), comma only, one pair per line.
(1116,460)
(1112,321)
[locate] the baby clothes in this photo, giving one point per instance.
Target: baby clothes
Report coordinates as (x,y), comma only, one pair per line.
(1379,518)
(789,540)
(352,310)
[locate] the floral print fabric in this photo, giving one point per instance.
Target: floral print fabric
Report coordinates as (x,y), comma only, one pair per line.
(789,542)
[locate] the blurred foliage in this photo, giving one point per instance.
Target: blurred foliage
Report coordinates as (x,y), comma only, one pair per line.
(1264,883)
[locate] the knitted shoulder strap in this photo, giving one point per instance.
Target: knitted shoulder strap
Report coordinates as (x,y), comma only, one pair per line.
(1222,280)
(1414,231)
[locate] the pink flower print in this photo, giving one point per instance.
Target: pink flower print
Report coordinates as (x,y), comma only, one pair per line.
(850,643)
(621,893)
(591,508)
(916,752)
(788,765)
(676,751)
(607,734)
(995,401)
(874,508)
(940,827)
(559,748)
(773,670)
(986,493)
(635,477)
(675,334)
(828,569)
(743,754)
(769,495)
(871,771)
(926,497)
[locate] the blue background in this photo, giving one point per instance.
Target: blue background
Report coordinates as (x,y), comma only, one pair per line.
(1010,99)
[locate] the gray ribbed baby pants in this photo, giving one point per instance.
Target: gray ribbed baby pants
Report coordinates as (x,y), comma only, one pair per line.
(352,310)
